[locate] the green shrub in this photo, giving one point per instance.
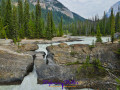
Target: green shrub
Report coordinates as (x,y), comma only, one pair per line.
(118,52)
(18,39)
(73,53)
(118,82)
(14,40)
(91,47)
(119,40)
(91,70)
(73,63)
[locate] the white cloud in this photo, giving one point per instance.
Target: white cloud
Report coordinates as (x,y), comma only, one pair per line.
(88,8)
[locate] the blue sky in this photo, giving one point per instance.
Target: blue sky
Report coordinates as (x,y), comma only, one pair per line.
(88,8)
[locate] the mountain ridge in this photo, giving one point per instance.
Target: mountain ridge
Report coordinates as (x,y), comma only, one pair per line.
(57,8)
(116,9)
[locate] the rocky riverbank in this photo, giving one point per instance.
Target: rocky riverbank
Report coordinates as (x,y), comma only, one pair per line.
(63,62)
(63,53)
(68,59)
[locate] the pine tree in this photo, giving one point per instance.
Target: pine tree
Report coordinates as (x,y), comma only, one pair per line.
(38,20)
(112,26)
(43,29)
(31,28)
(53,33)
(15,24)
(61,27)
(21,32)
(2,29)
(117,21)
(108,31)
(98,38)
(3,8)
(38,10)
(48,31)
(33,16)
(20,13)
(8,19)
(26,17)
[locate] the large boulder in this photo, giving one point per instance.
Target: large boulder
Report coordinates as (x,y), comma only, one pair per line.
(29,47)
(14,67)
(53,72)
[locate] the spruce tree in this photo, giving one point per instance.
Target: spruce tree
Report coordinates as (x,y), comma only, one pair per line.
(31,28)
(48,31)
(2,30)
(53,33)
(3,8)
(20,13)
(112,26)
(26,17)
(33,16)
(38,32)
(15,24)
(108,31)
(8,18)
(98,37)
(117,21)
(61,27)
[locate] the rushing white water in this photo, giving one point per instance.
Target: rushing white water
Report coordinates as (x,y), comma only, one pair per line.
(85,40)
(30,81)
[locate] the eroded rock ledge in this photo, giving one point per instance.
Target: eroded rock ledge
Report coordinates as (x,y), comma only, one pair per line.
(63,54)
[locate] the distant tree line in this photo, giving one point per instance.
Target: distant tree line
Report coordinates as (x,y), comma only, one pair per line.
(107,25)
(18,22)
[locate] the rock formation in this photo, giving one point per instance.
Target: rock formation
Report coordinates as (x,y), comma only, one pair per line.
(14,67)
(63,54)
